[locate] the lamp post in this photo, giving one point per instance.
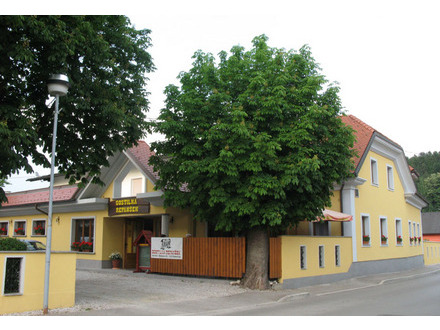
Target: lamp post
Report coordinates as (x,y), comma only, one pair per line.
(58,85)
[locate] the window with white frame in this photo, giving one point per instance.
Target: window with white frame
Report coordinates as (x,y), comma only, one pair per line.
(383,230)
(20,228)
(321,256)
(414,233)
(399,238)
(418,233)
(365,221)
(38,227)
(303,256)
(410,233)
(390,177)
(4,226)
(14,276)
(374,172)
(337,255)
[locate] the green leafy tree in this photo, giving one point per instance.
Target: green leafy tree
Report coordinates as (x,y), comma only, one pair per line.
(430,189)
(428,166)
(253,144)
(106,60)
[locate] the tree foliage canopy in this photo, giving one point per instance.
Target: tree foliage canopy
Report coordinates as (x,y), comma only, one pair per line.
(253,141)
(428,184)
(106,60)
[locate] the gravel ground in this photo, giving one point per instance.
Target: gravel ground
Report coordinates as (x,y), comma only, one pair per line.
(106,289)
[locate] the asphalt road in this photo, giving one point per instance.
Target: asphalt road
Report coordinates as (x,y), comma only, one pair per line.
(398,296)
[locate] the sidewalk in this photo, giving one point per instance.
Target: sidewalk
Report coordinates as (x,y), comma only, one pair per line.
(161,295)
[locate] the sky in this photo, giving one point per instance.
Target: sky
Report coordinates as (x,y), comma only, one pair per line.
(385,55)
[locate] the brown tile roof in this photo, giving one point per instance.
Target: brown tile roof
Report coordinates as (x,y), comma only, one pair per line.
(141,155)
(61,193)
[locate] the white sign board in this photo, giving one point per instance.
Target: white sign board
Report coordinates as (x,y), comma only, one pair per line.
(167,247)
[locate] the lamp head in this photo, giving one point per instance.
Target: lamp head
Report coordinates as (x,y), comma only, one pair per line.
(58,84)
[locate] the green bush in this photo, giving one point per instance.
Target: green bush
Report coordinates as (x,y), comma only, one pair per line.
(12,244)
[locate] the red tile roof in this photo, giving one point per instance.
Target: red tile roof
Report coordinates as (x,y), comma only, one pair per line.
(61,193)
(363,133)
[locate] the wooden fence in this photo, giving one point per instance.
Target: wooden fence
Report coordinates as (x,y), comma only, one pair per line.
(215,257)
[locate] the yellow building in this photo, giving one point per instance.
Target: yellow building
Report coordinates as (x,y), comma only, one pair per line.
(377,227)
(103,218)
(385,233)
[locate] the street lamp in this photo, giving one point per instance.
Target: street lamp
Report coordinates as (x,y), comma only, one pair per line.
(57,85)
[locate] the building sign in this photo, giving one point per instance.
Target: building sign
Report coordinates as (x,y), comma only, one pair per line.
(167,247)
(128,206)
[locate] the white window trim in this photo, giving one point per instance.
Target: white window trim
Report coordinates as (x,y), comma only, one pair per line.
(385,233)
(374,171)
(390,186)
(7,233)
(410,234)
(397,232)
(368,229)
(72,236)
(22,272)
(33,225)
(25,226)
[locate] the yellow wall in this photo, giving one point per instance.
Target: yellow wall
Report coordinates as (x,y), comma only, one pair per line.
(379,201)
(432,253)
(290,254)
(61,282)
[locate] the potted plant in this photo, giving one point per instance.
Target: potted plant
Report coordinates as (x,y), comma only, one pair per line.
(411,239)
(75,246)
(116,258)
(39,230)
(399,239)
(420,239)
(3,231)
(384,239)
(85,246)
(19,231)
(366,239)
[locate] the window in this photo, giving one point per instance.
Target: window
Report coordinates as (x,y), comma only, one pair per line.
(303,257)
(337,255)
(4,228)
(365,230)
(38,227)
(20,228)
(374,174)
(383,231)
(136,186)
(83,231)
(414,233)
(418,233)
(13,282)
(399,238)
(321,256)
(390,177)
(410,233)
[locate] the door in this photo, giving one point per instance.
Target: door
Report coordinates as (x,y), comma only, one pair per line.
(132,229)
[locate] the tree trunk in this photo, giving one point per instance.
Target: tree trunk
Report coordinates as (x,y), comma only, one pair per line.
(257,260)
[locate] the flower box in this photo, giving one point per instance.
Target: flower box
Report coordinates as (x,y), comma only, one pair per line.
(366,239)
(39,230)
(399,239)
(82,246)
(384,239)
(19,231)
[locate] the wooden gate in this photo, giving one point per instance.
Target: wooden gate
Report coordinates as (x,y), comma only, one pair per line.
(216,257)
(207,256)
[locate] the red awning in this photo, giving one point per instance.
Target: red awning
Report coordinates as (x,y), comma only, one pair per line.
(329,215)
